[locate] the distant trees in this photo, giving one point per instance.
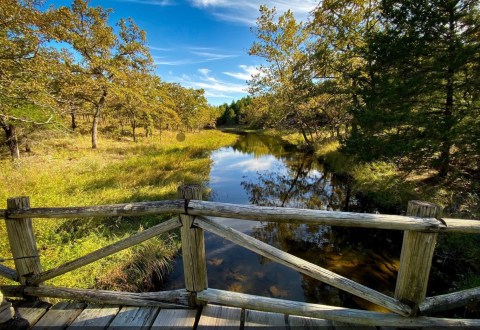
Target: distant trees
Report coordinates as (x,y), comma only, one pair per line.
(235,112)
(64,63)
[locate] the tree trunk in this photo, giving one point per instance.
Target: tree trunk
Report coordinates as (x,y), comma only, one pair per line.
(12,140)
(96,118)
(134,128)
(446,142)
(74,121)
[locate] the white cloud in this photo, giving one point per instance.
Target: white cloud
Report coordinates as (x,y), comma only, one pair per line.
(207,56)
(151,2)
(246,11)
(247,72)
(213,86)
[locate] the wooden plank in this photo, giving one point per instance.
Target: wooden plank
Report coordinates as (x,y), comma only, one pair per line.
(219,317)
(165,299)
(462,226)
(318,217)
(180,319)
(95,316)
(106,251)
(303,266)
(450,301)
(193,245)
(333,313)
(22,240)
(416,258)
(31,311)
(60,316)
(256,319)
(9,273)
(127,209)
(134,317)
(307,323)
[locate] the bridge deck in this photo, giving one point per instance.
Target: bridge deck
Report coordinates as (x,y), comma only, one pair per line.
(64,315)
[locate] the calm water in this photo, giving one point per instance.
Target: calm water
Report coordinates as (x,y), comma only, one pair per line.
(259,170)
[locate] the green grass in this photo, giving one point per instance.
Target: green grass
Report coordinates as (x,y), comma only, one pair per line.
(65,171)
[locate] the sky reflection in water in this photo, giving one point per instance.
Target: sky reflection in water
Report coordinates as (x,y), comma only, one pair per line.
(260,170)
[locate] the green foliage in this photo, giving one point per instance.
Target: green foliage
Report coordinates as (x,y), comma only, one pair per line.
(235,112)
(382,184)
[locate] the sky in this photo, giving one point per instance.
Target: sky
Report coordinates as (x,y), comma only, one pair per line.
(201,43)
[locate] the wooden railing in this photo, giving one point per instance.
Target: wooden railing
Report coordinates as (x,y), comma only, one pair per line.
(408,307)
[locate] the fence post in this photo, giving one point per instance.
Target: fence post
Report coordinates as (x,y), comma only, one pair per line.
(416,257)
(22,240)
(193,245)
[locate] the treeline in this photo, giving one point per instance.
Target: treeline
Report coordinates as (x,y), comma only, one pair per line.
(393,80)
(59,64)
(235,112)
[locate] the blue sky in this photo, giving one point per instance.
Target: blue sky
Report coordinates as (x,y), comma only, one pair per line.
(201,43)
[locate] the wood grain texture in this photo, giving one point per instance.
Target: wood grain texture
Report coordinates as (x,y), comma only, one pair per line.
(181,319)
(96,316)
(166,299)
(308,323)
(193,244)
(219,317)
(127,209)
(60,316)
(134,317)
(259,320)
(106,251)
(8,273)
(303,266)
(450,301)
(32,311)
(306,216)
(22,240)
(333,313)
(462,226)
(416,258)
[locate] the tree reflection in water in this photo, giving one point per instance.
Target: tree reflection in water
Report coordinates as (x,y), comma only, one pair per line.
(369,257)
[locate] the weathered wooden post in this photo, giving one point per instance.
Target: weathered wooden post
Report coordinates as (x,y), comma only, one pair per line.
(193,245)
(416,257)
(22,240)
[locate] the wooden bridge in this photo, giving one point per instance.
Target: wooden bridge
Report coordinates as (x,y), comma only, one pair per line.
(198,306)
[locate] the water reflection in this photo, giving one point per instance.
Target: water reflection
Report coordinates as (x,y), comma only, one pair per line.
(259,170)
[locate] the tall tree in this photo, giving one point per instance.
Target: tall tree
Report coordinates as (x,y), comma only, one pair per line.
(26,69)
(100,55)
(426,65)
(281,42)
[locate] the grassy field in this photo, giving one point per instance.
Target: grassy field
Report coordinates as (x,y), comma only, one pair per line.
(65,171)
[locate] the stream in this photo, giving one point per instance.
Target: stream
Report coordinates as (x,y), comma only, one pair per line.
(262,170)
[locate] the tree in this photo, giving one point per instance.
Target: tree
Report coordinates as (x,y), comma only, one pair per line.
(27,68)
(282,43)
(102,55)
(422,101)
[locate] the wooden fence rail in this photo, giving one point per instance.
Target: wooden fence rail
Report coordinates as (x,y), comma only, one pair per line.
(421,227)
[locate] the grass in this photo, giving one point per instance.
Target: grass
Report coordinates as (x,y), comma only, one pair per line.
(65,171)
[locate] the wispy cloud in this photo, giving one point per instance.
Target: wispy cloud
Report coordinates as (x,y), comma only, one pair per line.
(207,56)
(246,11)
(160,49)
(151,2)
(213,86)
(191,55)
(246,73)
